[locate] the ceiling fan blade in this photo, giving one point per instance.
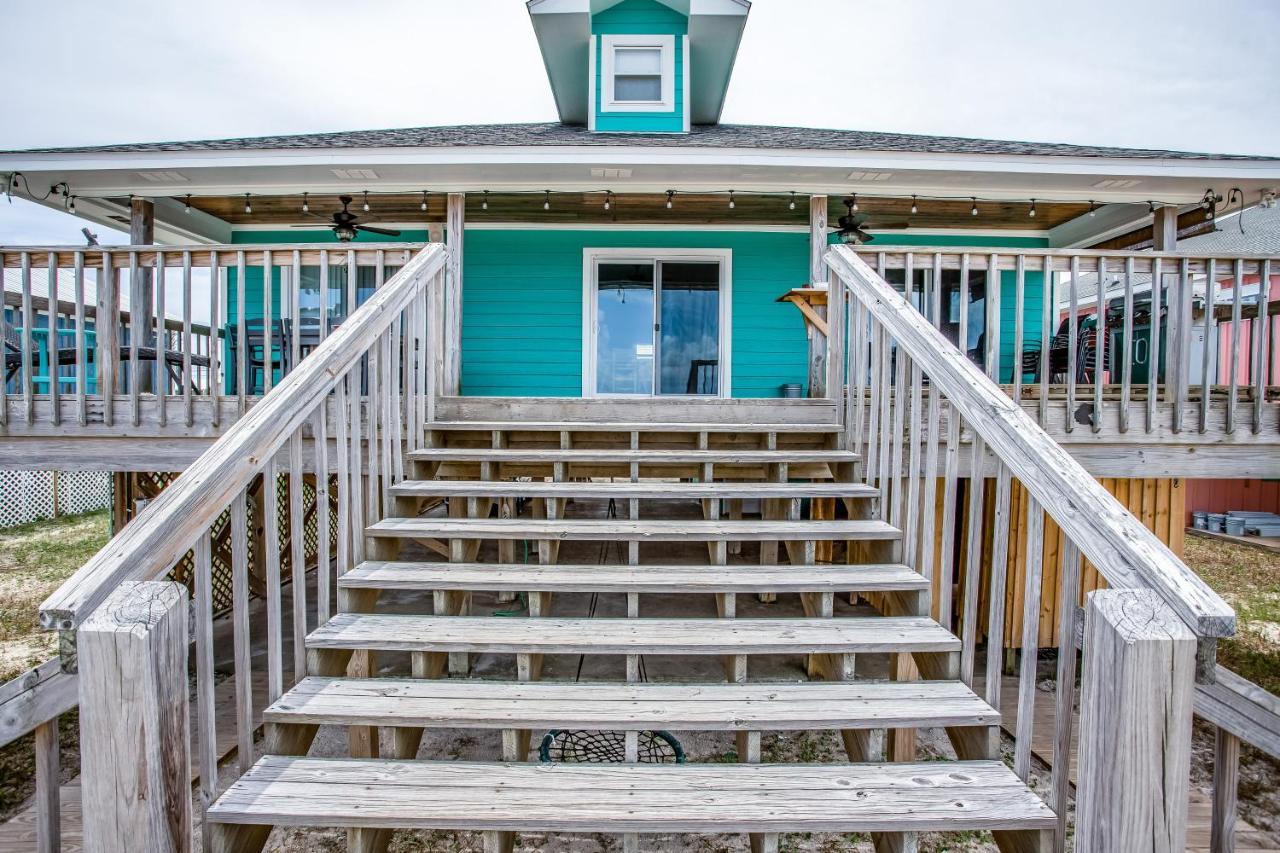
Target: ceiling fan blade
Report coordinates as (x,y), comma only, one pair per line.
(375,230)
(313,225)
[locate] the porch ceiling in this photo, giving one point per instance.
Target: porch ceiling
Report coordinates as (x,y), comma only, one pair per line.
(405,209)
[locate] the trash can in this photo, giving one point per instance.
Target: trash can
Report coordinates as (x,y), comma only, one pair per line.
(793,391)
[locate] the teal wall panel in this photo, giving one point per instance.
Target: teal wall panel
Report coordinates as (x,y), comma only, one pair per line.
(523,300)
(640,17)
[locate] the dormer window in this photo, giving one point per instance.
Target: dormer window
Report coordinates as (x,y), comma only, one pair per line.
(638,73)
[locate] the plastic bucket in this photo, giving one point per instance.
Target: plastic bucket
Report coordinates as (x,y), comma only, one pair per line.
(1235,526)
(1200,520)
(792,390)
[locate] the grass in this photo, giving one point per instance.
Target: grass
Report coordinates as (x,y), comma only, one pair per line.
(1249,579)
(35,559)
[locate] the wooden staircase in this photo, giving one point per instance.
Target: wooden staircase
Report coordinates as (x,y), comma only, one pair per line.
(683,533)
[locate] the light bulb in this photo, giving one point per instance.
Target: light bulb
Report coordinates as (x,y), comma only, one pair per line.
(484,204)
(186,207)
(1032,211)
(248,206)
(607,200)
(793,201)
(670,195)
(973,211)
(1093,208)
(366,201)
(915,208)
(546,205)
(71,205)
(423,206)
(855,203)
(732,202)
(306,205)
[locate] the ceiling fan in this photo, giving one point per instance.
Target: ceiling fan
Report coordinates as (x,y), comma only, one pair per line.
(851,229)
(345,223)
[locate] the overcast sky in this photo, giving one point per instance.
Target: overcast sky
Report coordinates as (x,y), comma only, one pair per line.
(1184,74)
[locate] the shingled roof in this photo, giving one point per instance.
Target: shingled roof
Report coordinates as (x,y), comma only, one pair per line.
(701,136)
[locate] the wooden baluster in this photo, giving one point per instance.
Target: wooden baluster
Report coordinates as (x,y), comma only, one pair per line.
(1019,309)
(48,798)
(1073,343)
(1181,366)
(901,373)
(387,431)
(1048,326)
(1030,638)
(216,283)
(1126,343)
(1153,348)
(1065,701)
(187,342)
(372,410)
(951,473)
(297,555)
(1261,338)
(240,628)
(28,342)
(991,357)
(206,720)
(356,487)
(324,294)
(320,437)
(1000,527)
(1226,784)
(886,410)
(82,351)
(137,339)
(857,377)
(915,422)
(268,322)
(159,340)
(1209,351)
(51,329)
(271,554)
(295,305)
(872,469)
(342,457)
(243,374)
(932,436)
(1100,346)
(973,556)
(1233,366)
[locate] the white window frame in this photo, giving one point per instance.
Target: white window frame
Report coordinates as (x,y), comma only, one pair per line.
(591,259)
(609,47)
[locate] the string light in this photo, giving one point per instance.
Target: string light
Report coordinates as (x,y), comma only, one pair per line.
(793,201)
(306,203)
(1151,207)
(546,205)
(608,199)
(484,205)
(423,206)
(973,211)
(186,207)
(248,205)
(71,204)
(915,208)
(854,206)
(732,201)
(671,194)
(1032,211)
(366,201)
(1093,207)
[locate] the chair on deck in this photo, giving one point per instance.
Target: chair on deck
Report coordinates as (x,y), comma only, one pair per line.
(252,374)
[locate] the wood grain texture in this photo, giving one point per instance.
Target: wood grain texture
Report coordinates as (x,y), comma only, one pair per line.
(1135,725)
(605,530)
(134,749)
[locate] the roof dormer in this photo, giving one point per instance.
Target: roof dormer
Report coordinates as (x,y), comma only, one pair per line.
(639,66)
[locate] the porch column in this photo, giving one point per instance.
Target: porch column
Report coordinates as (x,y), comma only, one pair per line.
(1135,725)
(142,232)
(455,222)
(817,278)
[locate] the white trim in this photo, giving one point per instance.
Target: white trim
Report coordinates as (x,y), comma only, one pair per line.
(591,258)
(627,226)
(609,46)
(591,83)
(686,77)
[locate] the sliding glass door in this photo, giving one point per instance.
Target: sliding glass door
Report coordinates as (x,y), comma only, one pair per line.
(658,326)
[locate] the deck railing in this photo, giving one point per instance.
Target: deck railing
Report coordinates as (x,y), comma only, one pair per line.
(1205,360)
(146,335)
(313,421)
(924,415)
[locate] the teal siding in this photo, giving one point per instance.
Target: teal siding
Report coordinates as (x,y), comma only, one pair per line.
(640,17)
(523,295)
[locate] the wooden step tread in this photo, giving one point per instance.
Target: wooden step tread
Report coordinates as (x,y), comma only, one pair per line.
(628,426)
(523,577)
(460,703)
(644,798)
(643,530)
(646,489)
(622,456)
(845,635)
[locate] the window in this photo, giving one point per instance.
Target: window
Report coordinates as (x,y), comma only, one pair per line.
(638,74)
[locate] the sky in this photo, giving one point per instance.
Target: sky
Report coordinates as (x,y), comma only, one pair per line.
(1181,74)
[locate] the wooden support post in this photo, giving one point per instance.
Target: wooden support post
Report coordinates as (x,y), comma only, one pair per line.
(142,232)
(48,808)
(134,743)
(817,278)
(455,225)
(1226,781)
(1135,725)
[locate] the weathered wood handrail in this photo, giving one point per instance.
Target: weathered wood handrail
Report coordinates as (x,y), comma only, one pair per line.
(1124,551)
(170,526)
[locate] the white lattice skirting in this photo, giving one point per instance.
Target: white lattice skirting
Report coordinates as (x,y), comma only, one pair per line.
(29,495)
